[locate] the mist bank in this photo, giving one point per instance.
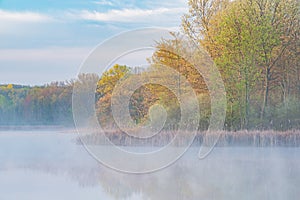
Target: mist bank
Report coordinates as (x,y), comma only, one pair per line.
(40,128)
(54,163)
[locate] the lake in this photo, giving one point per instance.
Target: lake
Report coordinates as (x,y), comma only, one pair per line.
(50,164)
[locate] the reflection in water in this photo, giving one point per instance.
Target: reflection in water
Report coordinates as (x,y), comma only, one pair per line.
(31,184)
(31,162)
(229,173)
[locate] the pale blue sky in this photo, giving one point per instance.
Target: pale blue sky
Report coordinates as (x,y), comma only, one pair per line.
(46,40)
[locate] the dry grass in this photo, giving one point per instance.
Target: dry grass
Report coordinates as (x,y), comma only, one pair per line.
(290,138)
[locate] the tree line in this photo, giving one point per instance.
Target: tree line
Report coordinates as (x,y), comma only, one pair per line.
(254,44)
(256,47)
(39,105)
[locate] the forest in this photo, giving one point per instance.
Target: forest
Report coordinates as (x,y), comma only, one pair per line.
(40,105)
(254,44)
(256,47)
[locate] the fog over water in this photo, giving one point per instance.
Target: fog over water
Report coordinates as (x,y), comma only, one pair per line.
(52,165)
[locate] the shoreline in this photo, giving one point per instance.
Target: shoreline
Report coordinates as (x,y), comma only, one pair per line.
(266,138)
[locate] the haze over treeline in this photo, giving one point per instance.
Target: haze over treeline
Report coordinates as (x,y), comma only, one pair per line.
(38,105)
(255,45)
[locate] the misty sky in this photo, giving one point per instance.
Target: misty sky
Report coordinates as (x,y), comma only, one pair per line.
(47,40)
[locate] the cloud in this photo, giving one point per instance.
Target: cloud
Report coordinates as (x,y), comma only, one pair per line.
(104,3)
(44,54)
(24,16)
(41,65)
(131,15)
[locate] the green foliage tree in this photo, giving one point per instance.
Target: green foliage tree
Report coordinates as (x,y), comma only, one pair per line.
(255,45)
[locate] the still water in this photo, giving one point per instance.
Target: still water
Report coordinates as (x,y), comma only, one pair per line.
(48,165)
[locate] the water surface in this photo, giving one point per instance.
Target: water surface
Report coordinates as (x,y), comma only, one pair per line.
(48,164)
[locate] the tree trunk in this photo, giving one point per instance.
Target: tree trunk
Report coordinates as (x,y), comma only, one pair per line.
(266,93)
(247,98)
